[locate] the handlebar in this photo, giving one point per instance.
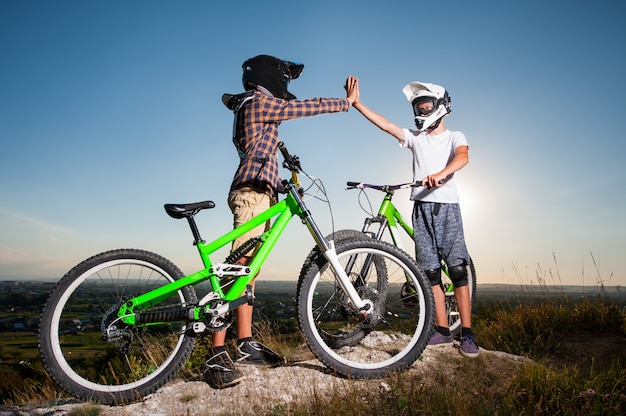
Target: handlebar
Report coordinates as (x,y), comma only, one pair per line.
(384,188)
(291,162)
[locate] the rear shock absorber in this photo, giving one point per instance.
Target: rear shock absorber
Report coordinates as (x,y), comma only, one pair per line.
(240,251)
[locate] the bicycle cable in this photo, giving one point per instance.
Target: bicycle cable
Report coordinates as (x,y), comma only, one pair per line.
(367,198)
(321,190)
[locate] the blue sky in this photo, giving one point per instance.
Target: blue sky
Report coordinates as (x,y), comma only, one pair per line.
(110,109)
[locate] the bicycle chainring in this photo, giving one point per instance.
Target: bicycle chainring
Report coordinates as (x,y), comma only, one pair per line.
(217,323)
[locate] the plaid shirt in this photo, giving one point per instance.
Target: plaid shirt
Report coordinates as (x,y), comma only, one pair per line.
(257,136)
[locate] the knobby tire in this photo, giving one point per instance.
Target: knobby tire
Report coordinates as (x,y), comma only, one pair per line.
(85,301)
(399,326)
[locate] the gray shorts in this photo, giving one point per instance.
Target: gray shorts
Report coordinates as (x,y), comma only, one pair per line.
(438,230)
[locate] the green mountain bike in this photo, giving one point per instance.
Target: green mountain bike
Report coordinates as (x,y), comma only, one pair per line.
(122,323)
(390,219)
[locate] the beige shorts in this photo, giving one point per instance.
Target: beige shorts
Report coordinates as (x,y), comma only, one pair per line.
(246,203)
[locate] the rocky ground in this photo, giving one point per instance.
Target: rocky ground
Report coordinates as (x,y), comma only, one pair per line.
(262,389)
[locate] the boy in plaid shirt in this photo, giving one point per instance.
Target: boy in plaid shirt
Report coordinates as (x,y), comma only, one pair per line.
(258,113)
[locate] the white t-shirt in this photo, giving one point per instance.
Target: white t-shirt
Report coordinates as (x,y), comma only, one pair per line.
(430,155)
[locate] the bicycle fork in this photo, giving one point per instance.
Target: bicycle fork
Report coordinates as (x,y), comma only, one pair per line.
(383,222)
(394,232)
(365,306)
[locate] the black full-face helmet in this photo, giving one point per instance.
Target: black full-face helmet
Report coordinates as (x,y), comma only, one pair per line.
(271,73)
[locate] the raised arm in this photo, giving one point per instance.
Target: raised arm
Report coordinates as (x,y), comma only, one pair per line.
(377,119)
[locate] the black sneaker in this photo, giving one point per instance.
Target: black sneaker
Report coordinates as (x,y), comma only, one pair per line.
(255,353)
(220,371)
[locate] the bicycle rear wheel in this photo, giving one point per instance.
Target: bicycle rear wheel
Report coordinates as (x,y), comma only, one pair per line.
(452,309)
(77,322)
(395,332)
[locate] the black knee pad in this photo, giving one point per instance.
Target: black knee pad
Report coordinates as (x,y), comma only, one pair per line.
(458,275)
(434,276)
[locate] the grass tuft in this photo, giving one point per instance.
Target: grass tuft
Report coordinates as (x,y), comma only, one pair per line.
(88,409)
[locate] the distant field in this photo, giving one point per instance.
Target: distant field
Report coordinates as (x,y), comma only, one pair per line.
(510,331)
(21,345)
(491,292)
(18,346)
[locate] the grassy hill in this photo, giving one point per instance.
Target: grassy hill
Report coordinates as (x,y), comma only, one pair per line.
(574,336)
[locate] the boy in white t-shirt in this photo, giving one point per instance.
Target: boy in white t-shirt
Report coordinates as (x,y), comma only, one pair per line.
(437,154)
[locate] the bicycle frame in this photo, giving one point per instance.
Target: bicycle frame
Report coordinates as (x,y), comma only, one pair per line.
(122,323)
(391,219)
(283,212)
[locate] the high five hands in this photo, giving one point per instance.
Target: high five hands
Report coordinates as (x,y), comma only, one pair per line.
(352,89)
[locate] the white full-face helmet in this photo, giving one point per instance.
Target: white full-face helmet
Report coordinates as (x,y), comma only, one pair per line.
(419,93)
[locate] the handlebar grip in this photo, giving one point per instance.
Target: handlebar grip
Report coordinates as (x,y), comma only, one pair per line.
(291,162)
(352,183)
(419,183)
(284,151)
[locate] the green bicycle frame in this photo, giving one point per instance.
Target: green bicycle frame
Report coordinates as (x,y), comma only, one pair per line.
(284,210)
(392,218)
(389,217)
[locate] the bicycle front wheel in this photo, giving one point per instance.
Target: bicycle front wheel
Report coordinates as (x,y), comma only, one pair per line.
(75,341)
(396,331)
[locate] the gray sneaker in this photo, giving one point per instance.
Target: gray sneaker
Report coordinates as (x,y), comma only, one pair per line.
(438,341)
(469,347)
(220,371)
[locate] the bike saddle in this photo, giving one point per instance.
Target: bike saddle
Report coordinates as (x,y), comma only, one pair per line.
(179,211)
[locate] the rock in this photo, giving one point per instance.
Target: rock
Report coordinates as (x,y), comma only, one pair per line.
(263,389)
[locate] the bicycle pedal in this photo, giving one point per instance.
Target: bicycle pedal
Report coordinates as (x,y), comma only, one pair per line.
(198,328)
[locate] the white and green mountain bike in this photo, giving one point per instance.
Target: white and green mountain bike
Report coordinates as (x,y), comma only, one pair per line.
(122,323)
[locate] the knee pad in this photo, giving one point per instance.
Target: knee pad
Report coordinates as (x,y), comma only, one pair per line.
(434,276)
(458,275)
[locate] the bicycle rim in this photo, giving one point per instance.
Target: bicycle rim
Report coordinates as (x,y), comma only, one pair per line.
(85,304)
(392,337)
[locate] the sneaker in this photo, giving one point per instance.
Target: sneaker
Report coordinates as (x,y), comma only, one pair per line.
(438,340)
(469,347)
(255,353)
(220,371)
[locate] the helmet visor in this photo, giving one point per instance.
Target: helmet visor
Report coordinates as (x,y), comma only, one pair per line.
(294,69)
(424,106)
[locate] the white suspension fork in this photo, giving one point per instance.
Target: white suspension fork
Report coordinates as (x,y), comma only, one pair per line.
(364,305)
